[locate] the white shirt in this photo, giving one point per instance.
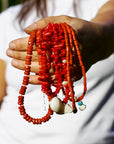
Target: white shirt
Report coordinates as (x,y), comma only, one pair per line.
(94,125)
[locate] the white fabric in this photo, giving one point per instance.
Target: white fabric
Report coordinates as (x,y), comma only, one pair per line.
(95,125)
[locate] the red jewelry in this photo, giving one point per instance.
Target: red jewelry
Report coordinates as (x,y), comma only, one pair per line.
(57,48)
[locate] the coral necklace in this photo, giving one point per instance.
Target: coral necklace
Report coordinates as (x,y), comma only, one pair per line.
(57,49)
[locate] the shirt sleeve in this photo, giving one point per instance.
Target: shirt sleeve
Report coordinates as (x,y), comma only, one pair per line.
(8,29)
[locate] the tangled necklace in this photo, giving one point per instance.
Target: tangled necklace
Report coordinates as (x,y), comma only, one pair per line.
(57,49)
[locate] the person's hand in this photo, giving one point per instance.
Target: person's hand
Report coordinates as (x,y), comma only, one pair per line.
(89,37)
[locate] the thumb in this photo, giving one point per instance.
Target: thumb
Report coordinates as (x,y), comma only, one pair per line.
(42,23)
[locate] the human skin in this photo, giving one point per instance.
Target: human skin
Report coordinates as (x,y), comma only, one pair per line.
(95,39)
(2,80)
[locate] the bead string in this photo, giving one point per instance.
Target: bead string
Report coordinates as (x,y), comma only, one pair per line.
(68,65)
(57,49)
(81,64)
(25,82)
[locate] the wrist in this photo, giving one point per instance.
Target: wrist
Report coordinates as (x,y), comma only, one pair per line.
(107,40)
(105,19)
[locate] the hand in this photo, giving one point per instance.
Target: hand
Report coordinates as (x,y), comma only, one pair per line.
(89,37)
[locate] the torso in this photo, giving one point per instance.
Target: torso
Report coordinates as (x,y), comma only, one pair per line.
(65,129)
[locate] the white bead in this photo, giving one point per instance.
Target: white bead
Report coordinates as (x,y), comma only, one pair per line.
(73,48)
(75,98)
(64,61)
(82,107)
(56,105)
(64,83)
(68,109)
(74,65)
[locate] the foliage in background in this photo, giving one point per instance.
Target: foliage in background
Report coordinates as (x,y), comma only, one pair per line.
(8,3)
(0,5)
(14,2)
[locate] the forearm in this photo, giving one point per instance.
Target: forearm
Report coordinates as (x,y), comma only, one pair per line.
(2,80)
(95,37)
(105,17)
(106,14)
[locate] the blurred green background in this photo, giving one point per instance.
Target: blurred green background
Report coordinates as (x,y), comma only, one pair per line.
(4,4)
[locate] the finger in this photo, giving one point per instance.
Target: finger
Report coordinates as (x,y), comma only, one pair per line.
(42,23)
(21,65)
(20,44)
(33,79)
(21,55)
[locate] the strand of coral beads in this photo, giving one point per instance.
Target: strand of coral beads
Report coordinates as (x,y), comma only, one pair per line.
(58,51)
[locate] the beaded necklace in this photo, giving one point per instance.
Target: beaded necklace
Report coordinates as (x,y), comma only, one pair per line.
(57,49)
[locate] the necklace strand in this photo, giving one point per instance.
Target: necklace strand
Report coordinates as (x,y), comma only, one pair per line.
(57,49)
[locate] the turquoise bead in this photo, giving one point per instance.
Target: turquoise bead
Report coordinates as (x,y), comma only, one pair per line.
(80,103)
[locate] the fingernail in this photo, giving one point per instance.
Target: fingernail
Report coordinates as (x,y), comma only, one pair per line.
(31,27)
(15,63)
(10,53)
(12,46)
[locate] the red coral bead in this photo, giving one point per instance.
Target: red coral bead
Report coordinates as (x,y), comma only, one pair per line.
(23,90)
